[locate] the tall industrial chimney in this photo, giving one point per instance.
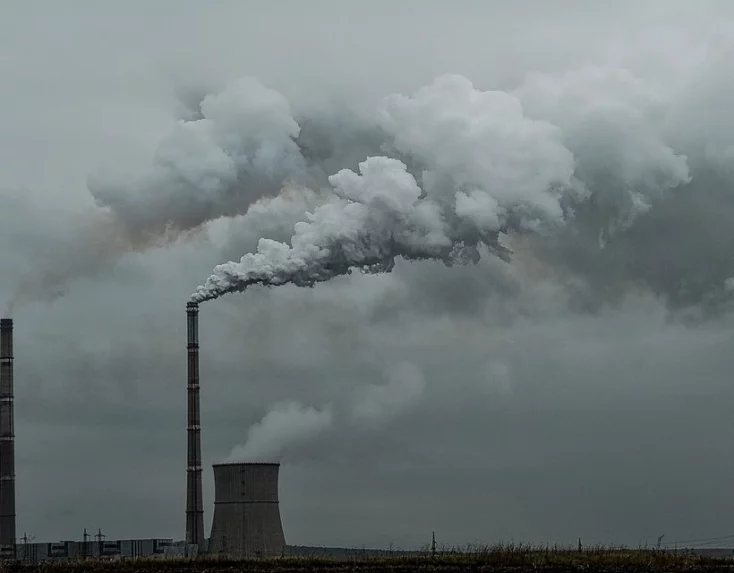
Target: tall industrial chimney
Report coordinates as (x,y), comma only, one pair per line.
(194,503)
(246,513)
(7,442)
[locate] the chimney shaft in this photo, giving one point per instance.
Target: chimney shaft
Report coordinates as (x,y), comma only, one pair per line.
(194,503)
(7,442)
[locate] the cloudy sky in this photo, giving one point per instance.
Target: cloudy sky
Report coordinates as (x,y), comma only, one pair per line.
(580,390)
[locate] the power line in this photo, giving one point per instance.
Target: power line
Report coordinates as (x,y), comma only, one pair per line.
(704,541)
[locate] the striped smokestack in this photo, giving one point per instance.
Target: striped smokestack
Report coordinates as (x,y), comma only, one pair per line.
(194,503)
(7,443)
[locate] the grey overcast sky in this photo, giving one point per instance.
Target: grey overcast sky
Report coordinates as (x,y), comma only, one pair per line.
(583,390)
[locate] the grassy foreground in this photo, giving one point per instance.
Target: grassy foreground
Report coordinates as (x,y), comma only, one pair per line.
(500,559)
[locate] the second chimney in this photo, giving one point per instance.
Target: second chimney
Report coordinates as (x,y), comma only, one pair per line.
(194,503)
(7,442)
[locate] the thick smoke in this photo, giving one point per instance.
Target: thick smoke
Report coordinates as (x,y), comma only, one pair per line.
(382,212)
(290,424)
(241,147)
(229,149)
(676,141)
(583,166)
(593,170)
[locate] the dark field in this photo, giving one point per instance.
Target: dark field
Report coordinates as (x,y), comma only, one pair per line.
(499,560)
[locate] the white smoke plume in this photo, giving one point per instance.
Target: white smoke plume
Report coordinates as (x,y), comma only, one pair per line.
(231,148)
(289,425)
(483,163)
(382,213)
(612,122)
(286,425)
(482,144)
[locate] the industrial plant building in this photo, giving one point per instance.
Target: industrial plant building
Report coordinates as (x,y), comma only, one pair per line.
(32,553)
(246,521)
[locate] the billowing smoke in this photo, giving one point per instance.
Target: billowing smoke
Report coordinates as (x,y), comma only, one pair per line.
(591,170)
(229,149)
(480,167)
(242,147)
(382,212)
(290,425)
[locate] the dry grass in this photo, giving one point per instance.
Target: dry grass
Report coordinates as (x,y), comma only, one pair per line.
(501,558)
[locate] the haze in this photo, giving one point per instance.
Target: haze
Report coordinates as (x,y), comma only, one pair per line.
(582,390)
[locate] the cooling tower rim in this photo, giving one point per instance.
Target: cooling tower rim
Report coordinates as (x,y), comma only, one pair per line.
(263,463)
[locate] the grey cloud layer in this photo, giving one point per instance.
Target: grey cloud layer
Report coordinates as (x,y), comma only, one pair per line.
(574,392)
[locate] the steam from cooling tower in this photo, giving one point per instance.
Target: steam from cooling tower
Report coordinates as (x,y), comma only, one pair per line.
(289,425)
(285,425)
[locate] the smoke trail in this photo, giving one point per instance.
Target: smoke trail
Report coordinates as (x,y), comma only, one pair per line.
(466,201)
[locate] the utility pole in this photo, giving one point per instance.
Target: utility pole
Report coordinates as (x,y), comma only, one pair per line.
(433,544)
(24,539)
(99,537)
(85,544)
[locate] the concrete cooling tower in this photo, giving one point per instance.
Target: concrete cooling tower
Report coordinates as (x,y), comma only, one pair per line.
(246,512)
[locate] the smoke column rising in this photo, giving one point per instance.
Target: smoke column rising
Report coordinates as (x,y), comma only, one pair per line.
(287,424)
(291,424)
